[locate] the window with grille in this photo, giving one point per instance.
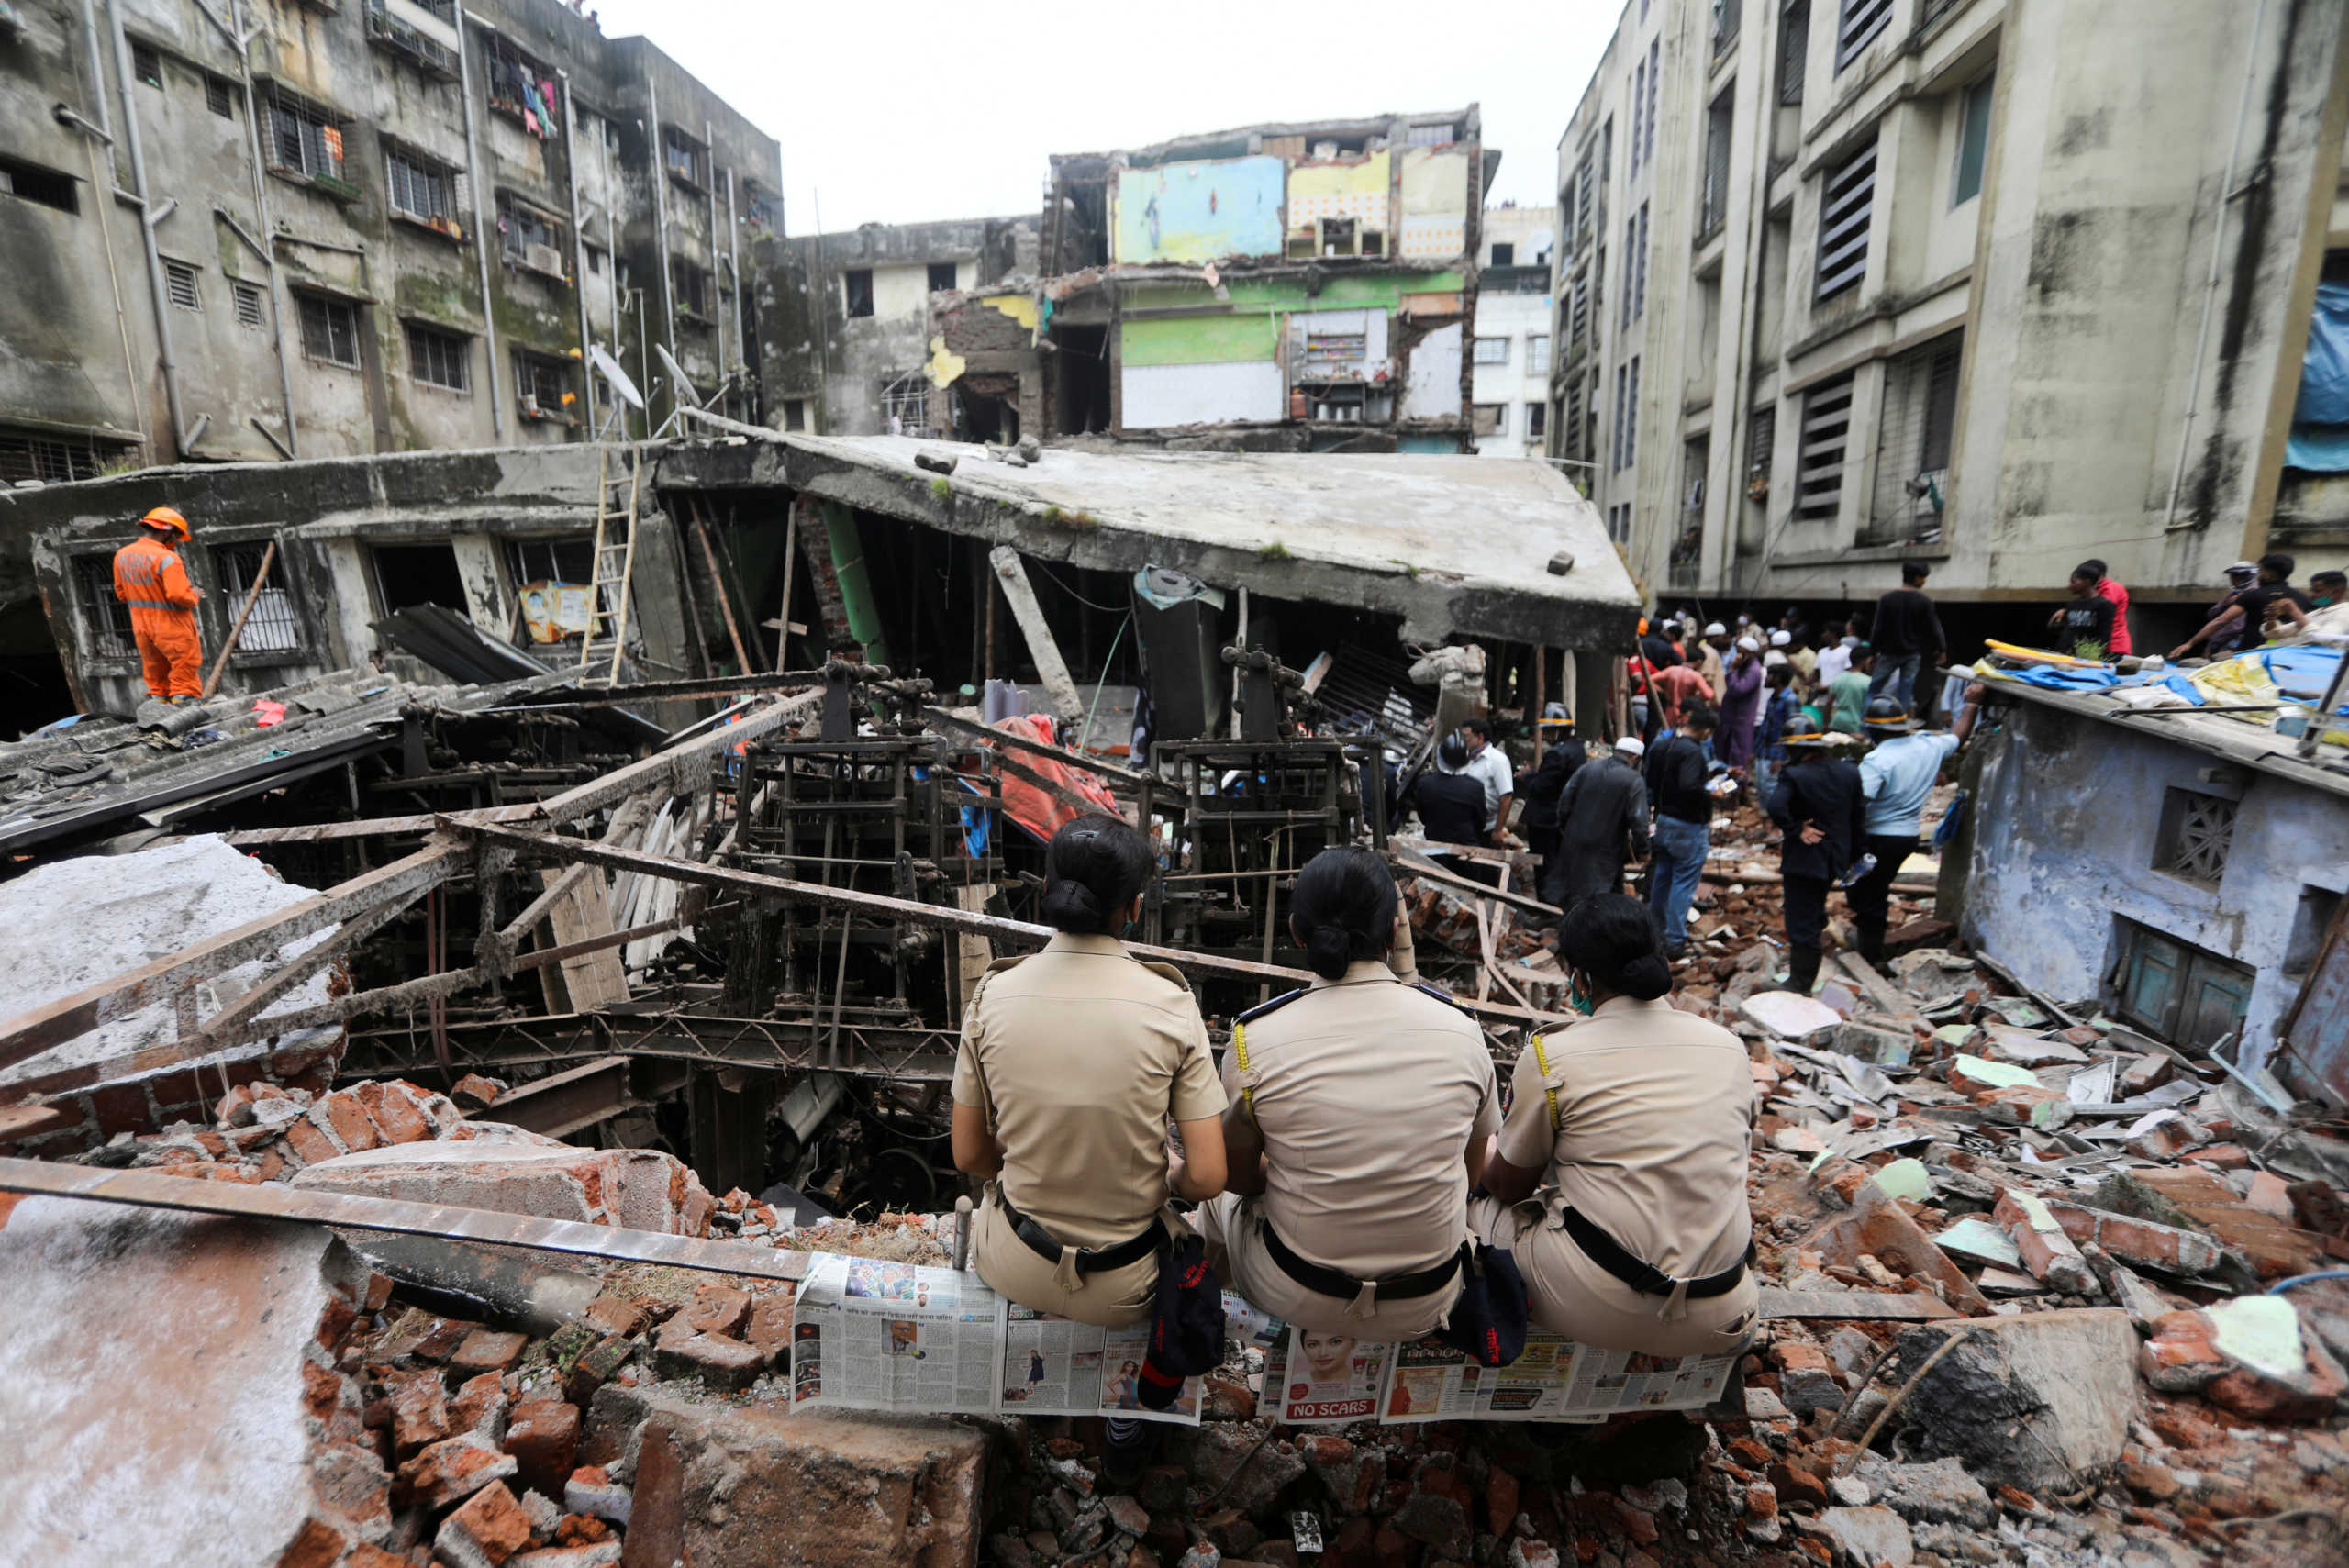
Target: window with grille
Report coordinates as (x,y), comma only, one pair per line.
(529,238)
(1537,421)
(692,284)
(218,94)
(1587,182)
(1793,49)
(1631,251)
(1760,442)
(250,311)
(2195,834)
(419,187)
(1972,141)
(303,138)
(1570,431)
(540,383)
(1638,289)
(31,182)
(179,284)
(274,626)
(1492,352)
(941,277)
(1819,456)
(518,86)
(1862,19)
(1627,413)
(1580,309)
(1655,85)
(1913,435)
(106,620)
(1489,418)
(1619,523)
(146,64)
(53,459)
(1537,355)
(1846,207)
(905,404)
(1713,209)
(439,359)
(1727,14)
(684,157)
(329,330)
(1639,113)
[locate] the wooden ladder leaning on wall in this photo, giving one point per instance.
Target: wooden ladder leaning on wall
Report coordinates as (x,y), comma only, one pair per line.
(618,493)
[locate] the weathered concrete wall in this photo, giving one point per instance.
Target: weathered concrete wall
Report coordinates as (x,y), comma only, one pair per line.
(336,235)
(2065,821)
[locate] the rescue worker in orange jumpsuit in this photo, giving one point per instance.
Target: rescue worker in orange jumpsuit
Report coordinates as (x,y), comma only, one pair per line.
(149,577)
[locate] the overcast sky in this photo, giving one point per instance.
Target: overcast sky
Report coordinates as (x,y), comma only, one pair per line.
(906,111)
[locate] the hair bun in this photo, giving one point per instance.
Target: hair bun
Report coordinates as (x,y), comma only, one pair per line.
(1328,949)
(1647,977)
(1068,901)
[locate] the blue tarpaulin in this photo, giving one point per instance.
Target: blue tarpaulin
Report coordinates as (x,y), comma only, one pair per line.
(2320,437)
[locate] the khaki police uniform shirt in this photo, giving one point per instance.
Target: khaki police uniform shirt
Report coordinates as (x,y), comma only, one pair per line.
(1656,1114)
(1080,1055)
(1367,1092)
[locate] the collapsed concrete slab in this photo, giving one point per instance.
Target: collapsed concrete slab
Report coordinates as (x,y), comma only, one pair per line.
(754,1486)
(164,1394)
(638,1189)
(2041,1401)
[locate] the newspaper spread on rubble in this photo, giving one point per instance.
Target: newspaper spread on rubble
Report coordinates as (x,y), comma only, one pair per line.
(1332,1378)
(868,1335)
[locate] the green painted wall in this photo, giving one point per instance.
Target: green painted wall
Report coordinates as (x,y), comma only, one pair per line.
(1347,293)
(1201,339)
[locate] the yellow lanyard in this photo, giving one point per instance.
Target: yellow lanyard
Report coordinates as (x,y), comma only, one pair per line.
(1540,1060)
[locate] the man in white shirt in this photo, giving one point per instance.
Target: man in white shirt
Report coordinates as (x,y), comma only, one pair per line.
(1836,661)
(1488,767)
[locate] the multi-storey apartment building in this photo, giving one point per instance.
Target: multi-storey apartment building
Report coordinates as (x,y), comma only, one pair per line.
(1509,350)
(261,229)
(2001,285)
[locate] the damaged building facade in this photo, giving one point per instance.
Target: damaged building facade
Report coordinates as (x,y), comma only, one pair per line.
(1275,288)
(849,317)
(288,229)
(2000,287)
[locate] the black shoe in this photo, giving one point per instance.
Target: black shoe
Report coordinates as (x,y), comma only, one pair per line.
(1675,951)
(1122,1462)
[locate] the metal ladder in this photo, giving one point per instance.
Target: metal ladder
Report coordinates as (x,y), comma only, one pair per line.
(615,556)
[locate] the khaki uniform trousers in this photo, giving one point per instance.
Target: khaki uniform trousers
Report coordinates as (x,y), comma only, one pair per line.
(1011,1268)
(1232,1224)
(1573,1296)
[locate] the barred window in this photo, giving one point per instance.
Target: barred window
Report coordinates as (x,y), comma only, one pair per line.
(684,157)
(529,237)
(1818,454)
(439,359)
(1862,19)
(218,94)
(274,626)
(53,459)
(540,382)
(1846,208)
(250,309)
(329,330)
(1492,352)
(305,139)
(106,620)
(179,283)
(419,187)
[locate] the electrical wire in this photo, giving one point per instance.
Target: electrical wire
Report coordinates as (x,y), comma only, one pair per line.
(1106,609)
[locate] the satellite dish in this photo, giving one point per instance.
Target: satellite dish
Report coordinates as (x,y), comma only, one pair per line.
(677,375)
(614,377)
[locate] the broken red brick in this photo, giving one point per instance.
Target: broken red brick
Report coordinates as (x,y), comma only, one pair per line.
(392,1105)
(491,1521)
(2182,1355)
(350,1120)
(477,1090)
(714,1359)
(2221,1156)
(2046,1251)
(480,1406)
(452,1469)
(315,1545)
(309,1142)
(1797,1487)
(489,1350)
(544,1440)
(419,1411)
(717,1309)
(621,1315)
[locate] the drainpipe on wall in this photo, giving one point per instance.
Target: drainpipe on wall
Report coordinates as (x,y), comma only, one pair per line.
(660,160)
(578,246)
(181,437)
(242,41)
(734,272)
(709,141)
(481,228)
(612,248)
(93,137)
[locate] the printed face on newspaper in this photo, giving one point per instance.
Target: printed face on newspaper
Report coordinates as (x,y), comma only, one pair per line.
(1324,1377)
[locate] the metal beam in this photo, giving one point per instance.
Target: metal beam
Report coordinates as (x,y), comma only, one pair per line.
(276,1200)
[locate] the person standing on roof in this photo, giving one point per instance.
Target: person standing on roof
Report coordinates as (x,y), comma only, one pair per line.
(2106,588)
(2088,627)
(1896,777)
(151,578)
(1905,631)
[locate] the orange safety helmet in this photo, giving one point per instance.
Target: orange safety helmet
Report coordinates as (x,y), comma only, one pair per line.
(165,517)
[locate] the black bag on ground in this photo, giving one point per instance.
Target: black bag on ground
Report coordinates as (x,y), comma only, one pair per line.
(1187,1322)
(1488,1318)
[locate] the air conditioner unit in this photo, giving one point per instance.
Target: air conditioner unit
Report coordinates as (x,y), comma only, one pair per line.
(542,259)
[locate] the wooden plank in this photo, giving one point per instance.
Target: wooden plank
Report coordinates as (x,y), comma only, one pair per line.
(972,953)
(30,1122)
(591,978)
(1012,572)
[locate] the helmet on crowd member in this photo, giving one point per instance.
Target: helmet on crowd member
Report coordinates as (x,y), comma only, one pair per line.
(1888,715)
(1453,751)
(163,519)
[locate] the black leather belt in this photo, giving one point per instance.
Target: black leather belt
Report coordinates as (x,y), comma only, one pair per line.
(1089,1260)
(1608,1254)
(1330,1282)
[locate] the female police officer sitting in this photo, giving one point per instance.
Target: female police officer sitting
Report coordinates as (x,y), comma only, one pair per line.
(1073,1060)
(1361,1109)
(1639,1121)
